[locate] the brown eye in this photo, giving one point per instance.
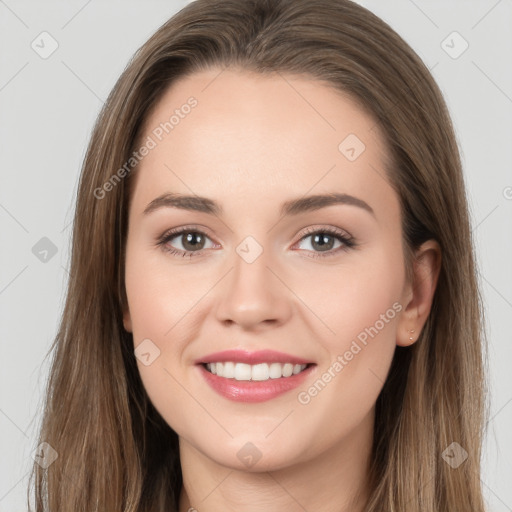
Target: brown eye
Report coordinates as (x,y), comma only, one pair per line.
(188,241)
(324,241)
(191,240)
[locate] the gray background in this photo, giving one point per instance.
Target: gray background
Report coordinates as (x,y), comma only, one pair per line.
(47,109)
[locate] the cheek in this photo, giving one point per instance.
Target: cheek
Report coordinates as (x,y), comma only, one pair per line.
(158,295)
(163,302)
(356,297)
(160,302)
(362,314)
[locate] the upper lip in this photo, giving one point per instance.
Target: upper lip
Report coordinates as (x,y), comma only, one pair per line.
(257,357)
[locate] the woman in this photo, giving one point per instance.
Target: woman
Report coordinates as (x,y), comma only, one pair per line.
(322,349)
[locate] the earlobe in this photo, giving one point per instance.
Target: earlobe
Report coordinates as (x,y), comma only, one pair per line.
(407,337)
(127,321)
(426,268)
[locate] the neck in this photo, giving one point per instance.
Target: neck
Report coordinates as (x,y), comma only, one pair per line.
(332,481)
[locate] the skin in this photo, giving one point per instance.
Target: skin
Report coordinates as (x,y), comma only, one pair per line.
(251,143)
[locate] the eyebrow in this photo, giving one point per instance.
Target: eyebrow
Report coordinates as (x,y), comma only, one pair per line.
(291,207)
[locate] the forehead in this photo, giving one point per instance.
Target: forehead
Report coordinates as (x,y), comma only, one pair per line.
(262,136)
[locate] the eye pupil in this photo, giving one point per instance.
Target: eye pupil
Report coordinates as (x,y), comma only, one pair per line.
(189,240)
(322,241)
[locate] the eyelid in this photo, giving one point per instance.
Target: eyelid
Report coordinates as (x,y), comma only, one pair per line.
(324,229)
(188,227)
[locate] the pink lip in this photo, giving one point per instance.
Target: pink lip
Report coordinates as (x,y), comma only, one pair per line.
(260,356)
(253,391)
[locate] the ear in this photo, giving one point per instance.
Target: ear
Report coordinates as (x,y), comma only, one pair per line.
(419,294)
(127,319)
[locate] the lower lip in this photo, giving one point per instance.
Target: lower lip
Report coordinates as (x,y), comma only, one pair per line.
(251,390)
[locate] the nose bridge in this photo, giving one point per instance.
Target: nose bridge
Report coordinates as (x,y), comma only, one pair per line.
(252,294)
(251,264)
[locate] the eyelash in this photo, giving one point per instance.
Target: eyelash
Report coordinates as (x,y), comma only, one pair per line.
(347,241)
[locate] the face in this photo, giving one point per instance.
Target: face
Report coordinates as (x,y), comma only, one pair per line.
(287,282)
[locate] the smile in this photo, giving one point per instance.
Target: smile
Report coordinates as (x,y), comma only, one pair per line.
(256,372)
(243,376)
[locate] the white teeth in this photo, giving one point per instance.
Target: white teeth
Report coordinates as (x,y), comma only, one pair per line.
(242,372)
(228,369)
(287,370)
(275,371)
(261,371)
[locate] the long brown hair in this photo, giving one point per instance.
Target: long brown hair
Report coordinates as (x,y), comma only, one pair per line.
(115,452)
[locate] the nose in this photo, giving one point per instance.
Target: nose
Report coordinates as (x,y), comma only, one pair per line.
(253,296)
